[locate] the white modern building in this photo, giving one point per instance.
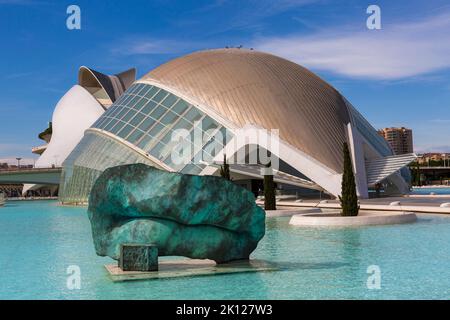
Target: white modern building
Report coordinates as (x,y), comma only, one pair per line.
(76,111)
(221,91)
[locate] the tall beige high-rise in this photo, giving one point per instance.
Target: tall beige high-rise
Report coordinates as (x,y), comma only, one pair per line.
(400,139)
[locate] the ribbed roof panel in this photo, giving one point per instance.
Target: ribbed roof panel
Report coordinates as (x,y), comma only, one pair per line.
(251,87)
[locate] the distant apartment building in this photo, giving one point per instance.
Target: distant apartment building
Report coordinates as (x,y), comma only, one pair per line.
(429,158)
(400,139)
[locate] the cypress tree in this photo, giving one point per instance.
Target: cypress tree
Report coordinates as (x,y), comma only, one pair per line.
(348,198)
(418,174)
(269,191)
(412,172)
(225,169)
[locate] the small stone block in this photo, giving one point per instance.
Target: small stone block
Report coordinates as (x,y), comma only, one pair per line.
(138,257)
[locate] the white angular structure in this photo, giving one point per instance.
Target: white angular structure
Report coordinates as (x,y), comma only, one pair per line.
(77,110)
(226,90)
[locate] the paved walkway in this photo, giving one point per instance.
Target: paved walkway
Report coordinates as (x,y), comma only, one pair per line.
(424,204)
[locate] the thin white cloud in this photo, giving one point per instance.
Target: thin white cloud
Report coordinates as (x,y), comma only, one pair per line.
(440,121)
(257,8)
(245,13)
(17,75)
(263,8)
(396,52)
(148,46)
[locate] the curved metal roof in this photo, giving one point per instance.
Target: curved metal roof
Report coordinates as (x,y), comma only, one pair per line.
(251,87)
(114,85)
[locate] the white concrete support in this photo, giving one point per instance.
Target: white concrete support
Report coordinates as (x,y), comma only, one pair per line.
(310,167)
(359,168)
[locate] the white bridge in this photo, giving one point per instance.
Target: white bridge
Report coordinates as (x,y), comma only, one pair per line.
(31,175)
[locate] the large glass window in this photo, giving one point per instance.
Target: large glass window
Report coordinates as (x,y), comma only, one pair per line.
(168,118)
(169,101)
(146,124)
(137,119)
(141,103)
(156,129)
(125,131)
(127,117)
(180,107)
(193,115)
(149,107)
(135,136)
(151,93)
(158,112)
(148,117)
(160,96)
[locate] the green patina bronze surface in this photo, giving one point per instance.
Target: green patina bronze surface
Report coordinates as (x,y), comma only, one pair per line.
(138,257)
(202,217)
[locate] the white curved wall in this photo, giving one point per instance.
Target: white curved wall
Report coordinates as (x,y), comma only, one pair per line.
(74,113)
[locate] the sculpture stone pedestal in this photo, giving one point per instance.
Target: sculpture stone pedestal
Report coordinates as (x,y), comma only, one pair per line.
(138,257)
(175,268)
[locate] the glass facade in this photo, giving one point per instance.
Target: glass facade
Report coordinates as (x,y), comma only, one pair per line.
(150,118)
(94,154)
(150,125)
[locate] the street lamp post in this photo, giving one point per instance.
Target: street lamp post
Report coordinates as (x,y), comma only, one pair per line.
(18,163)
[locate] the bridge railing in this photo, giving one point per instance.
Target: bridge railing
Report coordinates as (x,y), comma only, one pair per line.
(30,169)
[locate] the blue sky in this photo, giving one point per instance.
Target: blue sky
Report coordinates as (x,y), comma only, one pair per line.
(396,76)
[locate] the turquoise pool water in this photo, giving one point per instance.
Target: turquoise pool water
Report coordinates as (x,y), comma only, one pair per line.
(444,190)
(39,240)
